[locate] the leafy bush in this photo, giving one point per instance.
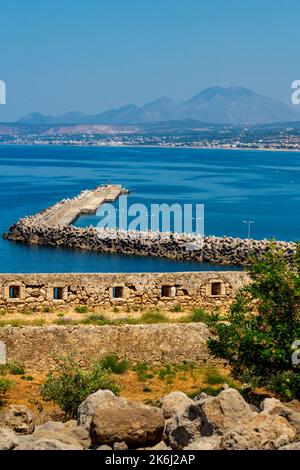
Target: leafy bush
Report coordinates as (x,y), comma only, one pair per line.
(48,309)
(96,320)
(141,370)
(113,364)
(263,323)
(28,378)
(81,309)
(214,377)
(201,316)
(167,373)
(69,384)
(5,385)
(153,317)
(15,367)
(177,309)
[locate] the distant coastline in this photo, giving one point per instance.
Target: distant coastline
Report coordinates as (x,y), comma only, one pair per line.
(249,149)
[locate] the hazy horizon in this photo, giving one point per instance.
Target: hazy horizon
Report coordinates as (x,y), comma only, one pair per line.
(98,55)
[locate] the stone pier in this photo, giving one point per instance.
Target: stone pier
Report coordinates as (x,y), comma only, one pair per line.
(53,227)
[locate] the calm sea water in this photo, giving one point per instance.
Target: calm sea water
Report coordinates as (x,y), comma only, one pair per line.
(233,185)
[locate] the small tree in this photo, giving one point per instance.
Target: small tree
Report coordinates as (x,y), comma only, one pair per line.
(68,384)
(263,324)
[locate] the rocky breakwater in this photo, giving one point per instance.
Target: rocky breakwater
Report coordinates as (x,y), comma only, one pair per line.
(53,227)
(221,250)
(107,422)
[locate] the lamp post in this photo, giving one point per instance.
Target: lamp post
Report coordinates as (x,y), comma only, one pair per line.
(248,222)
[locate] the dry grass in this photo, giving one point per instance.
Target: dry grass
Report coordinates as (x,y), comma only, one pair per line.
(148,388)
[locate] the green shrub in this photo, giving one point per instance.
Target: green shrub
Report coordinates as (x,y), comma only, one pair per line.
(213,377)
(5,386)
(81,309)
(28,378)
(48,309)
(153,316)
(263,323)
(113,364)
(96,320)
(64,321)
(68,384)
(38,322)
(177,309)
(141,370)
(209,390)
(201,316)
(167,373)
(15,367)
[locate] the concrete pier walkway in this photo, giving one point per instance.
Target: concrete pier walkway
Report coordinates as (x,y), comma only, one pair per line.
(86,203)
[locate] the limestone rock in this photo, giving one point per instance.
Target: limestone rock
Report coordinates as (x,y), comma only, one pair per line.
(120,446)
(159,446)
(68,433)
(87,408)
(47,444)
(104,447)
(175,403)
(185,421)
(118,419)
(293,446)
(205,443)
(221,413)
(8,439)
(19,418)
(273,406)
(260,432)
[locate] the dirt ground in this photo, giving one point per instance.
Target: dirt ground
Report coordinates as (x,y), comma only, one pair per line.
(149,389)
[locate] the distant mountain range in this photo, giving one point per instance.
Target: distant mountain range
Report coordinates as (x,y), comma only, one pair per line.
(216,105)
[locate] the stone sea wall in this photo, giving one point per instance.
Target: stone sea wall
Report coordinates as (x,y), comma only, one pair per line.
(53,227)
(36,347)
(220,250)
(105,291)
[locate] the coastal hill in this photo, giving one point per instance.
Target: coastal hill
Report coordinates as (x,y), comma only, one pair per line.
(233,105)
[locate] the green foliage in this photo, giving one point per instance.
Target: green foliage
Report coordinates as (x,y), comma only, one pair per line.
(113,364)
(18,323)
(69,384)
(38,322)
(167,373)
(28,378)
(177,309)
(81,309)
(15,367)
(141,370)
(96,320)
(201,316)
(214,377)
(153,316)
(48,309)
(209,390)
(263,323)
(5,385)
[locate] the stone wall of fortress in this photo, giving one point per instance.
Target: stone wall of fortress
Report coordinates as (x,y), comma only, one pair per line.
(105,291)
(37,347)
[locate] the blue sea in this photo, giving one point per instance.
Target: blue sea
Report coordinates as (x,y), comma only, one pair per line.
(234,186)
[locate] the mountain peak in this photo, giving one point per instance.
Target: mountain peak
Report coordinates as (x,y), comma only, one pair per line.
(217,105)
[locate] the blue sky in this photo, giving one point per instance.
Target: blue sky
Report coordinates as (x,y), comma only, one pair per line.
(91,55)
